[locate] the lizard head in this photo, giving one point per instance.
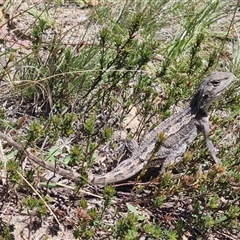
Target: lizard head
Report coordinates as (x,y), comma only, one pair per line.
(211,87)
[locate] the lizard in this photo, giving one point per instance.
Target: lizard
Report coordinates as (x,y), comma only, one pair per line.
(179,131)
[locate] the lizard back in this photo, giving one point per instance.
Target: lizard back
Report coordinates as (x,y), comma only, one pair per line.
(178,123)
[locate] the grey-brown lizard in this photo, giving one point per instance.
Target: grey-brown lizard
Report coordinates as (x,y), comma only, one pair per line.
(179,130)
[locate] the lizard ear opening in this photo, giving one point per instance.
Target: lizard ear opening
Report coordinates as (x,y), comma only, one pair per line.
(204,102)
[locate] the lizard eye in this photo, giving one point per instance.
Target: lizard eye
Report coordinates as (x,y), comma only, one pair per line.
(215,83)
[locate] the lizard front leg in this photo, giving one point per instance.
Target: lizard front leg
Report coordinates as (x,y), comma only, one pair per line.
(204,125)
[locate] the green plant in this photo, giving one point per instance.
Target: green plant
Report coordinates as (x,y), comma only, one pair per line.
(72,97)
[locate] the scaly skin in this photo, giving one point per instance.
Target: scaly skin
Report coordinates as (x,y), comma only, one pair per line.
(179,130)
